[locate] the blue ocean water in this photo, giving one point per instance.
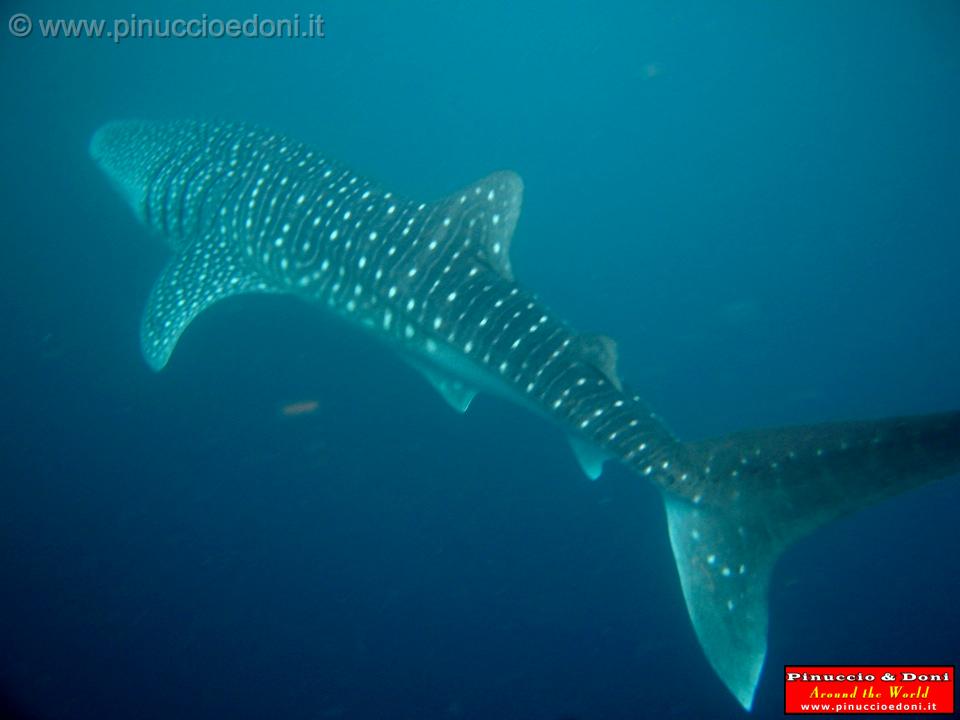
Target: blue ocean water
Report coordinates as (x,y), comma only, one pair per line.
(759,201)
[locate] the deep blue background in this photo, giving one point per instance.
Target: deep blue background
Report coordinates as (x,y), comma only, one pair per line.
(760,201)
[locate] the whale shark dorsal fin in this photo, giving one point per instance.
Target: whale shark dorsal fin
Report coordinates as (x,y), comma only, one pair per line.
(601,352)
(590,457)
(203,273)
(482,218)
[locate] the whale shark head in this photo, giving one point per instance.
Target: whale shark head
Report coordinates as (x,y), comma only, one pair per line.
(128,152)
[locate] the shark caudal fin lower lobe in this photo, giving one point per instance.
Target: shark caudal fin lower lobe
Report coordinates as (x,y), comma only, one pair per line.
(765,489)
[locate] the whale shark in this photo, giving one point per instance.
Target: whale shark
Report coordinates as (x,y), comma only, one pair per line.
(246,210)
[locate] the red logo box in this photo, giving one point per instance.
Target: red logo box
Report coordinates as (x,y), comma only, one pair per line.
(868,689)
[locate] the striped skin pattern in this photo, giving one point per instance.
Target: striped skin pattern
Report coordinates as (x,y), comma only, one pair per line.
(256,212)
(249,211)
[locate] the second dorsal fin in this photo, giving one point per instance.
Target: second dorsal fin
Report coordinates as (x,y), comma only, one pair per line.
(600,351)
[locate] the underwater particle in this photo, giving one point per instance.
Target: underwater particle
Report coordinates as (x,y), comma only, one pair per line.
(652,70)
(303,407)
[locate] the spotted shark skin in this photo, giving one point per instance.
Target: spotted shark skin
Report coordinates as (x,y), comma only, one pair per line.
(249,211)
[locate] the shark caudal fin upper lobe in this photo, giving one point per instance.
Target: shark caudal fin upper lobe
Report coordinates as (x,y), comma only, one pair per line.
(764,490)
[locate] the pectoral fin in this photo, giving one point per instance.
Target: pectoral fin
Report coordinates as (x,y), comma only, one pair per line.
(202,274)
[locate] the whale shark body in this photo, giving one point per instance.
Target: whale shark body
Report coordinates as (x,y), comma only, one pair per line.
(249,211)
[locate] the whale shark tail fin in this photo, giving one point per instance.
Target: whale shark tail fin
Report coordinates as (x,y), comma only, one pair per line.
(770,488)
